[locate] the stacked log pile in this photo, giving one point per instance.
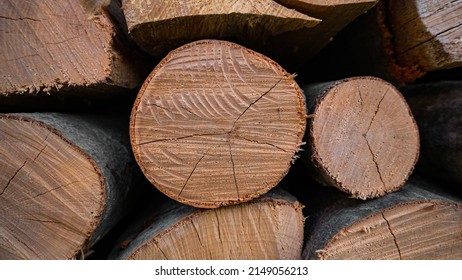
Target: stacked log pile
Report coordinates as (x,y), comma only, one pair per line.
(241,158)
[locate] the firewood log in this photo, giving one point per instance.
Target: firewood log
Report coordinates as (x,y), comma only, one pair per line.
(160,26)
(398,41)
(270,227)
(217,124)
(362,137)
(418,222)
(437,108)
(65,48)
(64,182)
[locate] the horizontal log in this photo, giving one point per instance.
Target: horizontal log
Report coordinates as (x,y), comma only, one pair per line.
(65,181)
(160,26)
(270,227)
(417,222)
(50,47)
(437,107)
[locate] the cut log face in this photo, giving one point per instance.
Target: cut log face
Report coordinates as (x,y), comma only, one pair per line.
(47,45)
(416,230)
(217,124)
(266,228)
(160,26)
(52,193)
(427,33)
(363,137)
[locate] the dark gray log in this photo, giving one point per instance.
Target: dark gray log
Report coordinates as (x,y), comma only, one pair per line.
(437,109)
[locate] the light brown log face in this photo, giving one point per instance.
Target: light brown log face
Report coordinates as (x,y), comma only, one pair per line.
(416,230)
(364,138)
(51,192)
(264,229)
(217,124)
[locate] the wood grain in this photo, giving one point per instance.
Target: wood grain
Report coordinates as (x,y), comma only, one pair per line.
(270,227)
(59,191)
(363,137)
(47,46)
(420,221)
(427,33)
(160,26)
(217,124)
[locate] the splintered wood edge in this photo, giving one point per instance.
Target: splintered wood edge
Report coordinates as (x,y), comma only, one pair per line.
(263,189)
(97,216)
(197,212)
(363,227)
(324,171)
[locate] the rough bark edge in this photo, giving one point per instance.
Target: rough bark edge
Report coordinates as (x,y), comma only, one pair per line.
(322,254)
(323,176)
(159,66)
(190,213)
(94,224)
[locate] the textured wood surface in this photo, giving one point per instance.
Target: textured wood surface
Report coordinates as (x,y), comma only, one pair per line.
(417,222)
(362,137)
(217,124)
(437,107)
(60,191)
(162,25)
(270,227)
(427,33)
(48,45)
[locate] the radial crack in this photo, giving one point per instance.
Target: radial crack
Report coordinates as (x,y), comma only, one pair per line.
(234,171)
(394,237)
(182,137)
(12,178)
(194,169)
(253,103)
(376,111)
(374,160)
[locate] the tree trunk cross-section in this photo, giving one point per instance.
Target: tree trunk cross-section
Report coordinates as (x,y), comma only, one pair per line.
(217,124)
(64,181)
(47,45)
(270,227)
(363,138)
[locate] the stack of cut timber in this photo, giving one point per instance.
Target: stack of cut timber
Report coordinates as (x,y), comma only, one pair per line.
(219,124)
(65,181)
